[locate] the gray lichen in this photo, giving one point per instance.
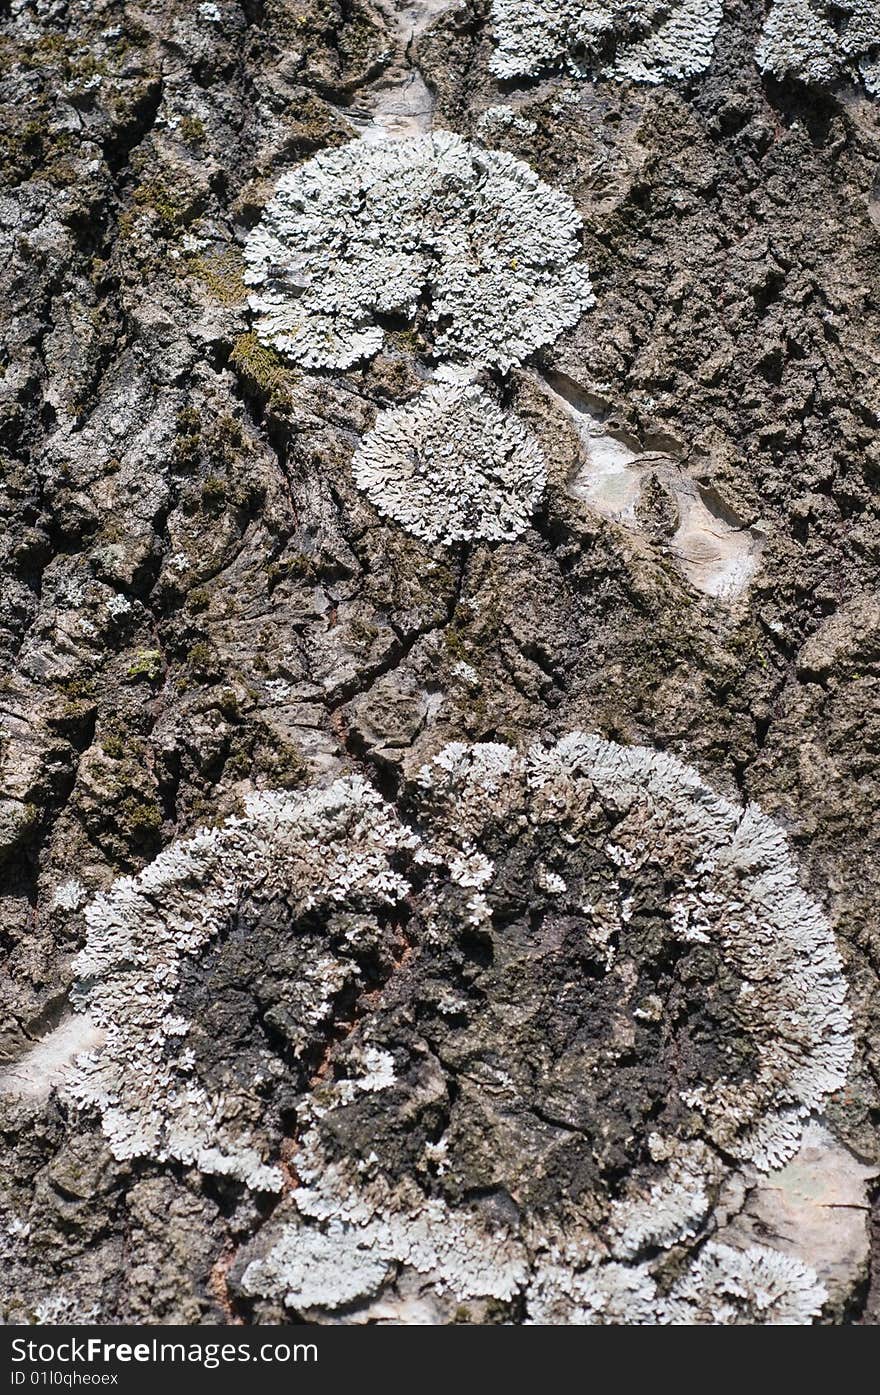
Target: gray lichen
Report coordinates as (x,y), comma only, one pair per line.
(344,1237)
(377,229)
(751,1286)
(349,1223)
(592,823)
(452,465)
(538,1054)
(328,849)
(648,41)
(740,892)
(818,41)
(722,1287)
(366,231)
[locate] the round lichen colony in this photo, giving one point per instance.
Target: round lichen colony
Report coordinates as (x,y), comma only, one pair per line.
(818,41)
(295,871)
(452,465)
(621,995)
(649,41)
(467,243)
(612,994)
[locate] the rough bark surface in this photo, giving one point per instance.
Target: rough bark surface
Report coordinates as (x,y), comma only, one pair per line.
(198,605)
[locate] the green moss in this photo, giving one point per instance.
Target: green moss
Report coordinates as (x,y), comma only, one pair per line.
(497,1311)
(455,644)
(238,766)
(111,531)
(129,808)
(77,710)
(280,762)
(30,141)
(34,147)
(363,631)
(171,205)
(202,661)
(262,368)
(113,745)
(72,59)
(219,492)
(78,688)
(140,818)
(227,430)
(748,647)
(186,451)
(147,664)
(213,494)
(192,130)
(125,226)
(188,438)
(288,767)
(205,814)
(473,635)
(227,704)
(408,341)
(300,566)
(226,444)
(223,276)
(198,599)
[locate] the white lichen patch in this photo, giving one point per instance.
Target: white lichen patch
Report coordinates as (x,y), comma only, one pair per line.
(452,465)
(591,833)
(326,850)
(648,41)
(374,229)
(499,120)
(68,896)
(669,1211)
(819,1208)
(822,41)
(350,1227)
(345,1236)
(742,885)
(744,1287)
(724,1286)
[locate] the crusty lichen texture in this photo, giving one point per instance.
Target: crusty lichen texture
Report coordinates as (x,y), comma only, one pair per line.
(732,886)
(649,41)
(325,852)
(452,465)
(817,41)
(373,229)
(465,244)
(665,1007)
